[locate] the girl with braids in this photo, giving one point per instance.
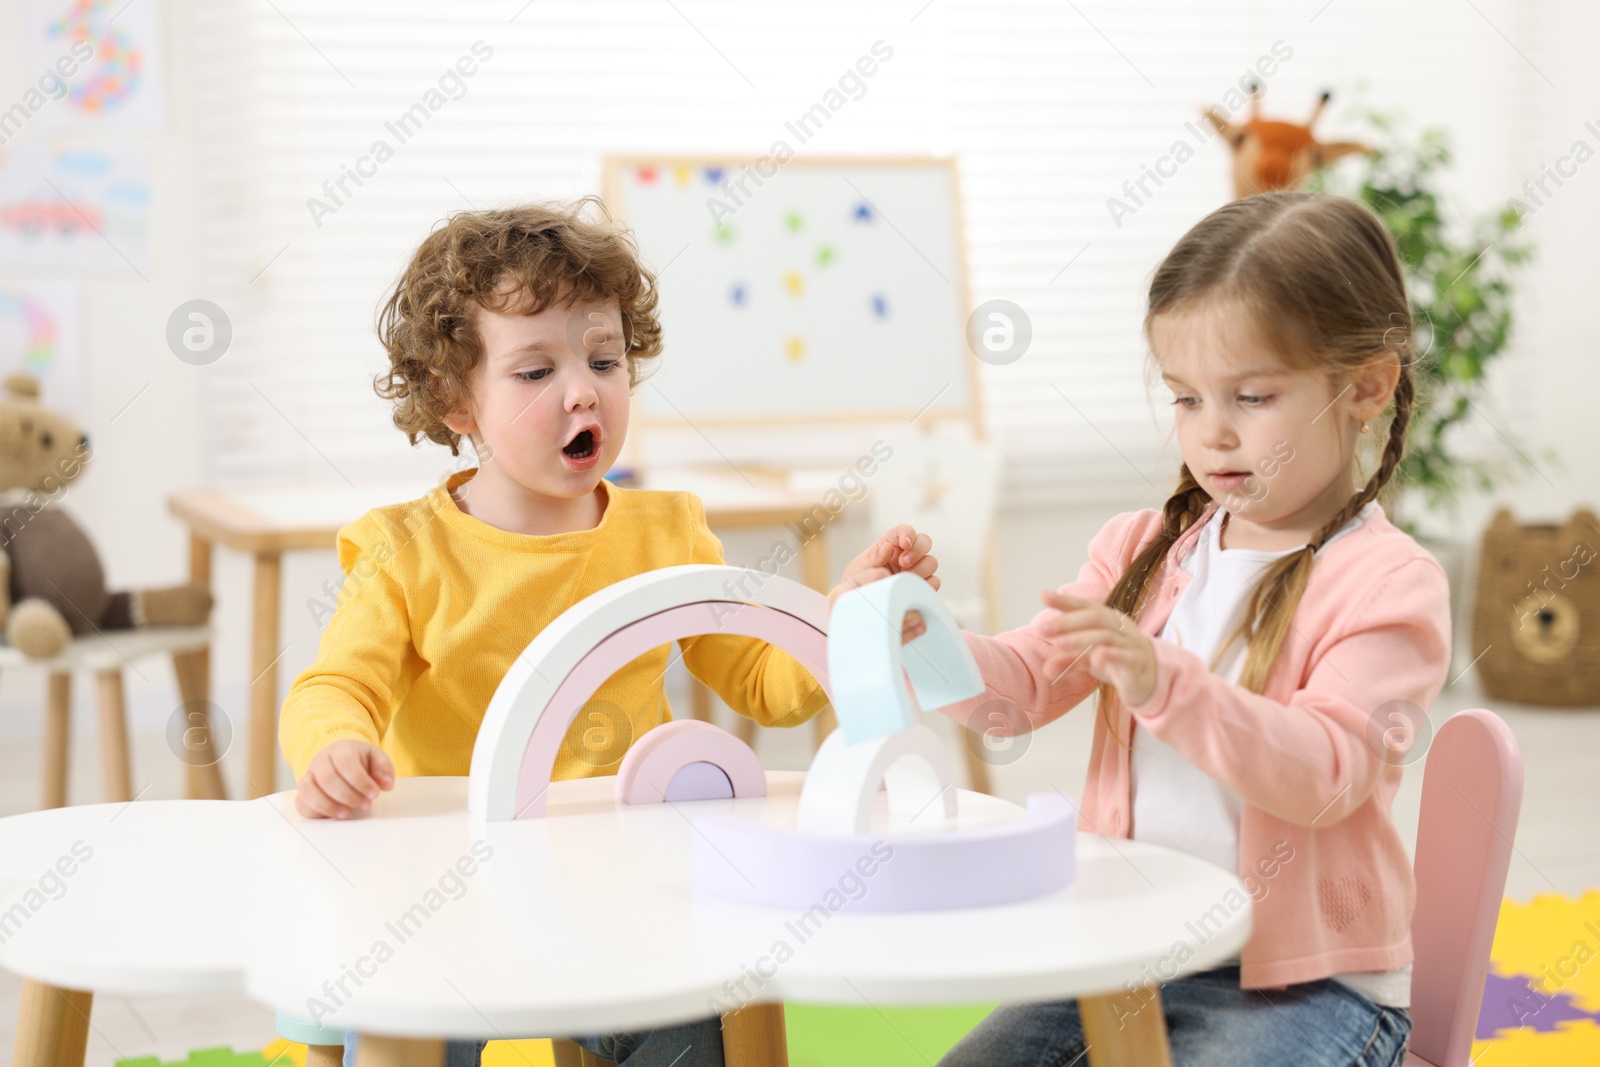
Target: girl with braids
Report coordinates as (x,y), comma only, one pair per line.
(1250,642)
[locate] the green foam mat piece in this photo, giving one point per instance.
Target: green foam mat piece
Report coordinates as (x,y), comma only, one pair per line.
(822,1036)
(220,1056)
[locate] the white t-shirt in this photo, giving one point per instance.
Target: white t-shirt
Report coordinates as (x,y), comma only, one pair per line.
(1174,802)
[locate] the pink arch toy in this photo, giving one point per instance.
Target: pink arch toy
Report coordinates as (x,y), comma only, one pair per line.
(689,760)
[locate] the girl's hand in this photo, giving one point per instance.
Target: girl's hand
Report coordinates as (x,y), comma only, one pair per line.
(344,777)
(1108,643)
(901,549)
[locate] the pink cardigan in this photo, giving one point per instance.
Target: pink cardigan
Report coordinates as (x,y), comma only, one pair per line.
(1317,847)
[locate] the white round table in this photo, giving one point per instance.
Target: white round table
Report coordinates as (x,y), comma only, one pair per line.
(419,922)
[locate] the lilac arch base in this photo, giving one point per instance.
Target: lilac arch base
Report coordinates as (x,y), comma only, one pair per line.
(756,863)
(699,781)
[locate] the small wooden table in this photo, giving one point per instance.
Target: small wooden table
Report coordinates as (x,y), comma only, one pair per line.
(419,921)
(265,523)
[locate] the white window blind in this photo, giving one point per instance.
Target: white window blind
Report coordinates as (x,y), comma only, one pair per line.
(1049,108)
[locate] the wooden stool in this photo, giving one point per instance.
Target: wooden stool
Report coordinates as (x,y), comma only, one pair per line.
(106,655)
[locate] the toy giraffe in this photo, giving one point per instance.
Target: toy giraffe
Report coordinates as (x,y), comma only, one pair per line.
(1269,154)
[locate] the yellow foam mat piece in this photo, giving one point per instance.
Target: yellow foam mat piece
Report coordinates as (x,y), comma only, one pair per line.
(519,1054)
(1554,941)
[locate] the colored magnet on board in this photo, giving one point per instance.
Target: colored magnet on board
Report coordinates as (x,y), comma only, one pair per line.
(724,234)
(681,172)
(794,221)
(868,665)
(796,348)
(795,282)
(736,294)
(825,255)
(880,306)
(862,213)
(714,175)
(646,175)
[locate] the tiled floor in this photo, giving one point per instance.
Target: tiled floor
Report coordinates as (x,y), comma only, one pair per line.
(1557,849)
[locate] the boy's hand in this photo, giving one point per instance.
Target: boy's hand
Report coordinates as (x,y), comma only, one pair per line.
(901,549)
(1108,644)
(345,777)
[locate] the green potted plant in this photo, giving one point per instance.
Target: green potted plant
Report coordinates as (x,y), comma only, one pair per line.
(1459,275)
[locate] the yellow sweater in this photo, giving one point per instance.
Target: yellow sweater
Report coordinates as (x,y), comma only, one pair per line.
(437,604)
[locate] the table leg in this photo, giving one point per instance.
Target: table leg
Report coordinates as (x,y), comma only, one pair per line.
(204,768)
(194,682)
(1133,1034)
(700,699)
(57,739)
(324,1055)
(977,769)
(754,1036)
(52,1026)
(114,737)
(374,1050)
(263,674)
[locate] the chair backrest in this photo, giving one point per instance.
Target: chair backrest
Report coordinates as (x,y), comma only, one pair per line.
(1471,796)
(946,485)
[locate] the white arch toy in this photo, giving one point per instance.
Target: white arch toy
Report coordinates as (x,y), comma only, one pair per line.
(862,665)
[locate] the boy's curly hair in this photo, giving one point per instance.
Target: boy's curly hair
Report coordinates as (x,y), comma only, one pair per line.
(525,257)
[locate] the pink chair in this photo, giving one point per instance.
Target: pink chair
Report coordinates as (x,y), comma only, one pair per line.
(1471,795)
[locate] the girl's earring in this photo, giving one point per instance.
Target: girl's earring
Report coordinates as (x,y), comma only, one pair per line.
(1363,427)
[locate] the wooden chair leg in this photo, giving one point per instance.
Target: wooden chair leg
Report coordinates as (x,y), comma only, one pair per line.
(57,739)
(376,1050)
(52,1026)
(324,1055)
(754,1036)
(204,771)
(263,754)
(114,738)
(568,1054)
(1130,1034)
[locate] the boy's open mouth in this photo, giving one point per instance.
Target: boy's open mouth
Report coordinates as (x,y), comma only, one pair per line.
(583,445)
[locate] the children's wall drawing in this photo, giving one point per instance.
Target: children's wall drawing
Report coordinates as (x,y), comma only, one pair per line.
(76,208)
(39,336)
(926,857)
(788,279)
(106,54)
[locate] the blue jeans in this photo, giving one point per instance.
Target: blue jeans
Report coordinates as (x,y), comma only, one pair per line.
(1211,1023)
(694,1044)
(456,1053)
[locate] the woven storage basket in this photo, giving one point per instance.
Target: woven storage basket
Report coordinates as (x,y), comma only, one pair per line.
(1537,610)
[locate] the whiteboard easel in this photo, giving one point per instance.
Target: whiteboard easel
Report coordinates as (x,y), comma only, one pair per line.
(803,295)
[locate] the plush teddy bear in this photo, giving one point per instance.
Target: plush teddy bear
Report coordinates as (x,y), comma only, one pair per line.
(53,585)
